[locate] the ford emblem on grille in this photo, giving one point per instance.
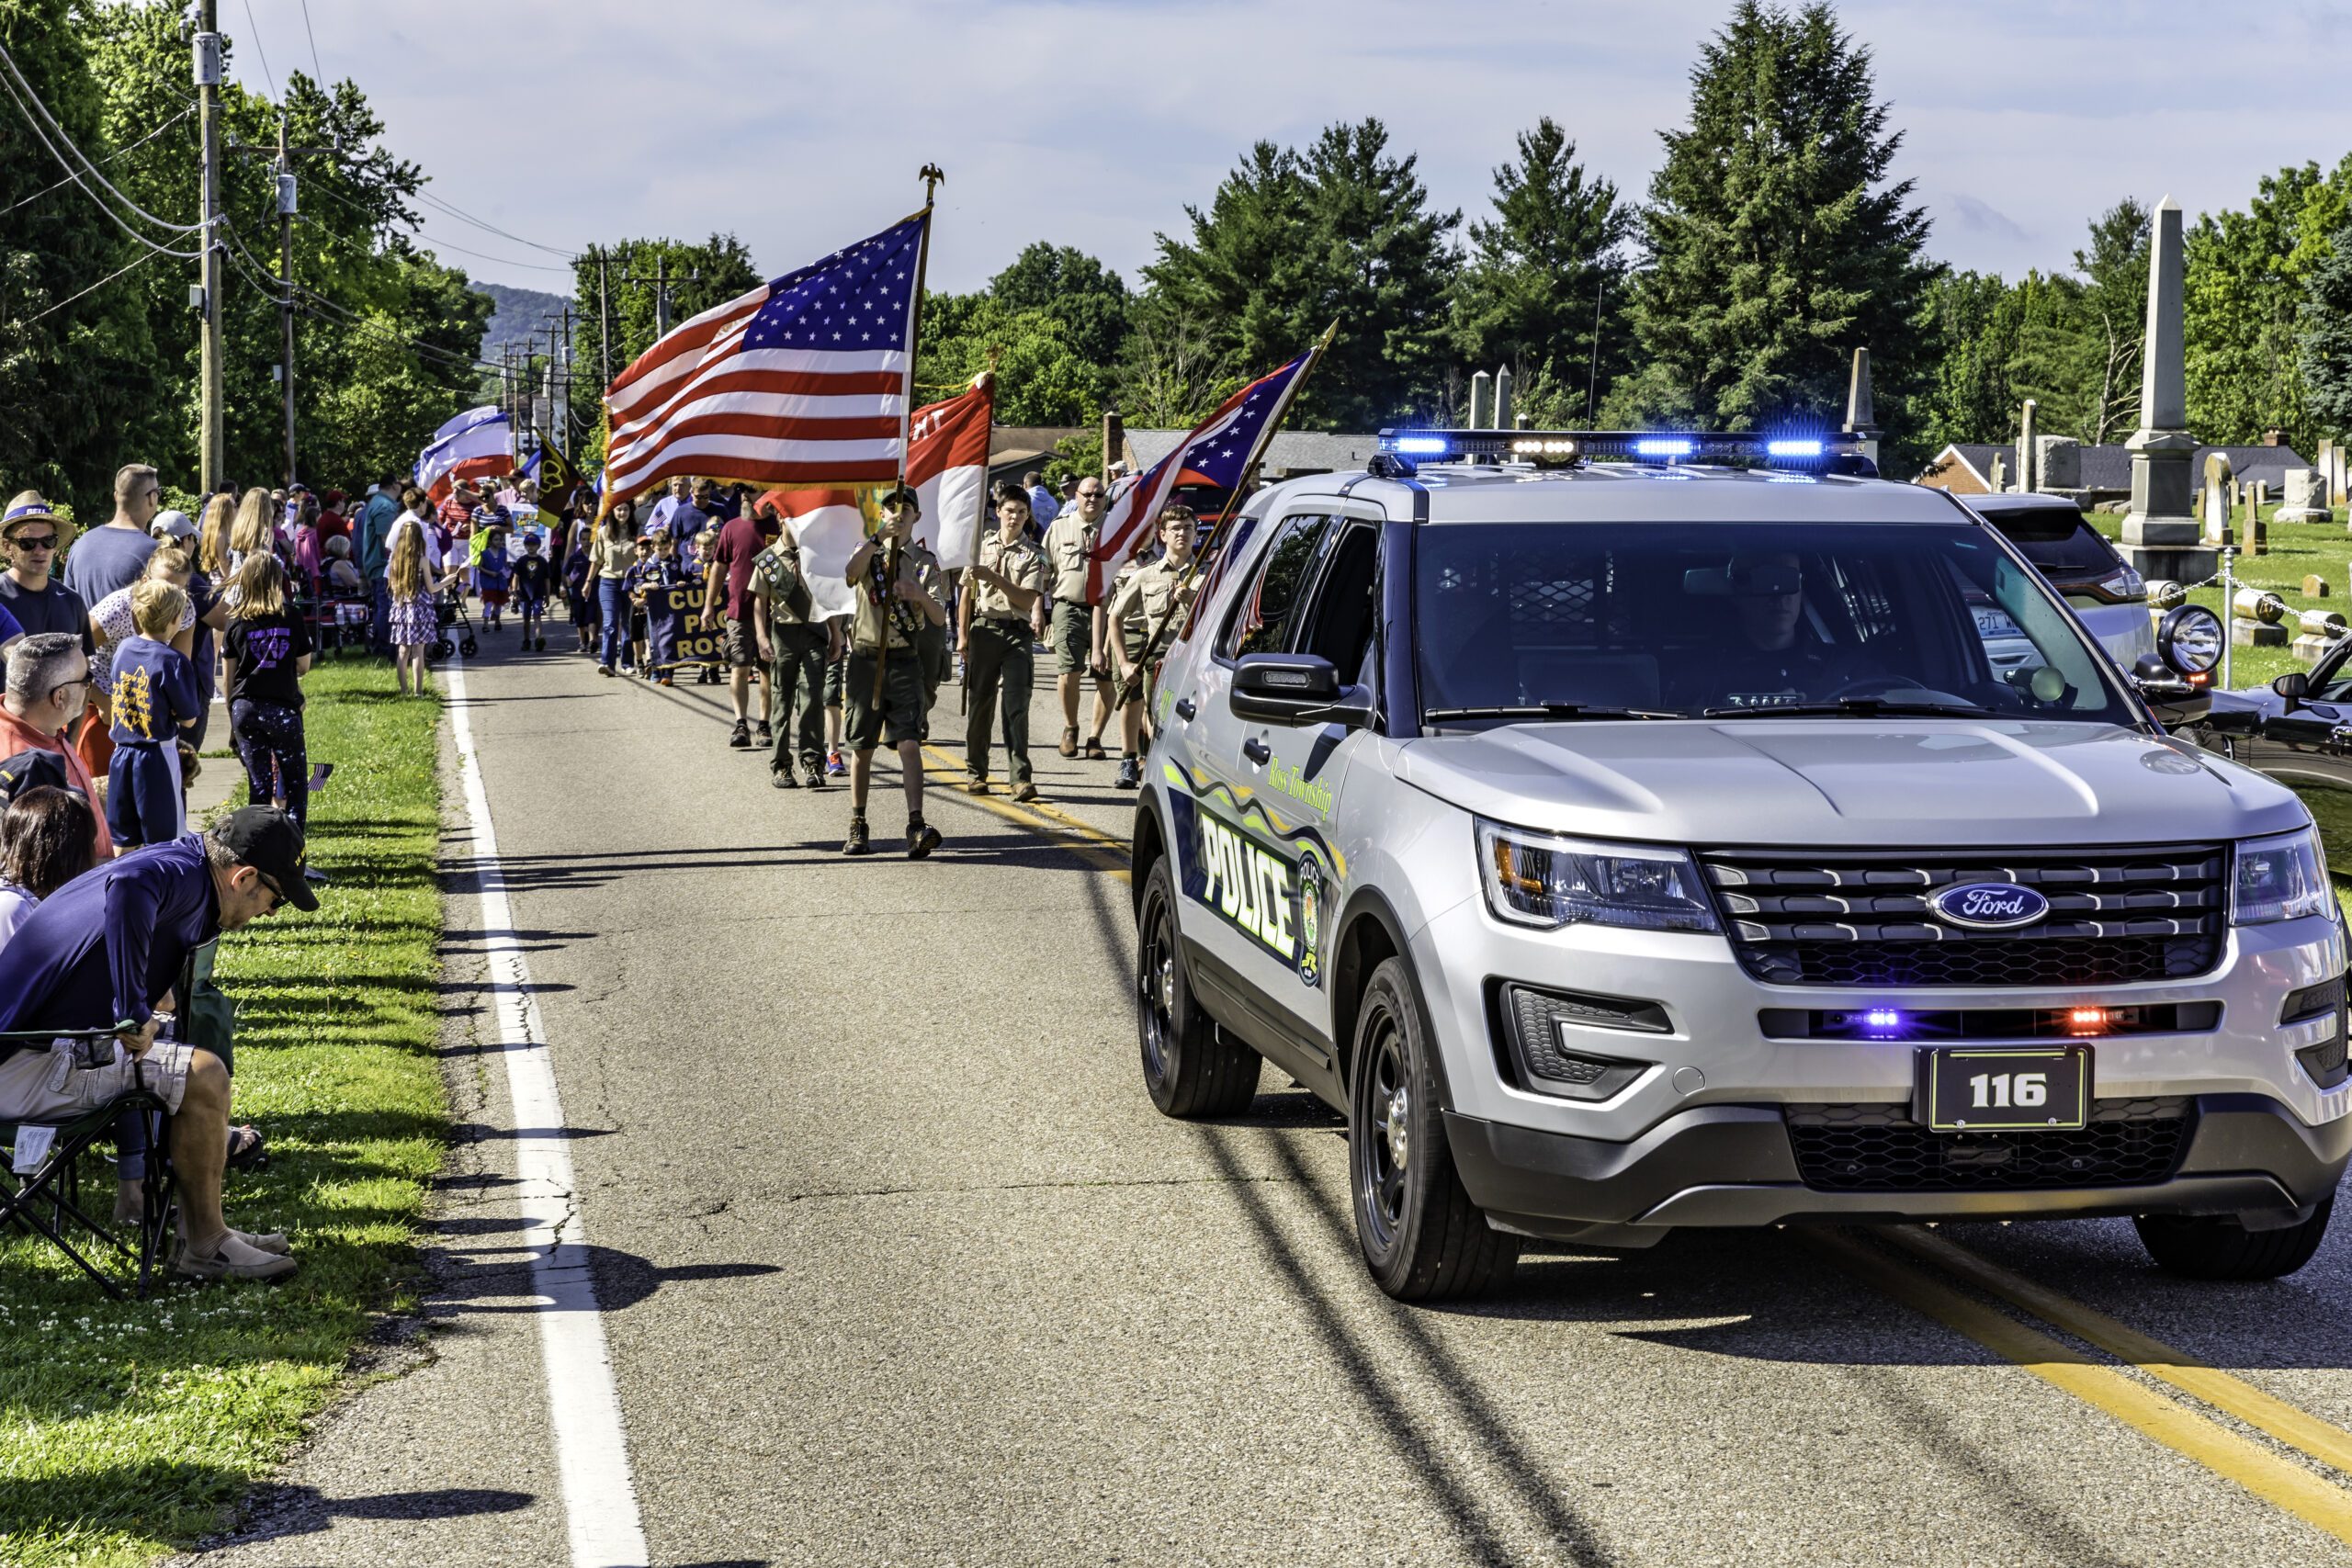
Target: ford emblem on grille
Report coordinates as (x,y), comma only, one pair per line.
(1989,906)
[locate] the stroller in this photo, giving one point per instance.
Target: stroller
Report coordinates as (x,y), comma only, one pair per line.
(449,611)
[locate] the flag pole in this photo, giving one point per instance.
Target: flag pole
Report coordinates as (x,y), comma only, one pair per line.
(931,178)
(1152,639)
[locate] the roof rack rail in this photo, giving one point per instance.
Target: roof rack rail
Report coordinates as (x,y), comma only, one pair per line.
(1834,451)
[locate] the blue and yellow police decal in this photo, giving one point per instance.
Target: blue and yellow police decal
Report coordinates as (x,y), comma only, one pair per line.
(1275,901)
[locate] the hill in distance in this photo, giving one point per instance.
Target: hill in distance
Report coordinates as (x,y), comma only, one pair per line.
(521,313)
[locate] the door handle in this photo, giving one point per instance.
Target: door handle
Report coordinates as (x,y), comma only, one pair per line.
(1257,752)
(1186,710)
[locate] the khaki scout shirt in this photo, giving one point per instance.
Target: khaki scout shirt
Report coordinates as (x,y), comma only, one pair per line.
(1146,597)
(1067,538)
(929,572)
(905,618)
(1022,563)
(777,569)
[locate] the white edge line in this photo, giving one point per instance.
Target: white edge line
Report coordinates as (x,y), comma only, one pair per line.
(583,1408)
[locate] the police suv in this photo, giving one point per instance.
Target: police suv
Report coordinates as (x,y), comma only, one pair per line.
(1633,831)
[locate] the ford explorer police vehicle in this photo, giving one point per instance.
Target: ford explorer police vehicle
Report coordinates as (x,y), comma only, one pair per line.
(1633,831)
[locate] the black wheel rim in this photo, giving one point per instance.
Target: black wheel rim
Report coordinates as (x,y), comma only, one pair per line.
(1384,1149)
(1156,989)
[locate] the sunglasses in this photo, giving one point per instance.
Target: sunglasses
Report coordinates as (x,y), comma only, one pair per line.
(46,542)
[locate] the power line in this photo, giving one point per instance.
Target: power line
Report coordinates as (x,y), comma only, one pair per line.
(466,216)
(314,45)
(410,225)
(108,159)
(14,80)
(101,283)
(260,48)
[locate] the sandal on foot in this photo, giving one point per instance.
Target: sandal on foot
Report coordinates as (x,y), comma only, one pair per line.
(248,1150)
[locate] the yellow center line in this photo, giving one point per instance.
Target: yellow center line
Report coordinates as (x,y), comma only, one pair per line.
(1052,822)
(2297,1429)
(2177,1427)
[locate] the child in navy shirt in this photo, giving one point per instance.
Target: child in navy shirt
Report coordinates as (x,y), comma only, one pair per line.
(533,581)
(492,572)
(155,698)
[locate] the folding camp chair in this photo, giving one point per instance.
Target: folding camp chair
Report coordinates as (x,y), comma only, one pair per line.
(41,1191)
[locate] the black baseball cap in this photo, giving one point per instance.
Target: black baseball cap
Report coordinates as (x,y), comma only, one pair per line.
(270,841)
(30,770)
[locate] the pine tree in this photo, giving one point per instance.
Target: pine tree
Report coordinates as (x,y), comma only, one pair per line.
(1776,245)
(2325,345)
(1544,274)
(1292,241)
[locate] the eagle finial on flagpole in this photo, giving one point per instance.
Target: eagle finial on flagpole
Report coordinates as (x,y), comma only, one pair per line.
(932,179)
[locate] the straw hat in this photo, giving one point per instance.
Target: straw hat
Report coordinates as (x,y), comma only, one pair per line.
(29,507)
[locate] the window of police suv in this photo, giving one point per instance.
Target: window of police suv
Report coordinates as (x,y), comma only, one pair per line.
(1699,620)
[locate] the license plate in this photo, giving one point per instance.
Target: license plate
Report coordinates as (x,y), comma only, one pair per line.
(2014,1089)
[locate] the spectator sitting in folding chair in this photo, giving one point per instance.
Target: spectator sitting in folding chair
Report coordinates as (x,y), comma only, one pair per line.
(103,951)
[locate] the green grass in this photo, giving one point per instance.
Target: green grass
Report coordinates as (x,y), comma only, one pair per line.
(2295,550)
(125,1429)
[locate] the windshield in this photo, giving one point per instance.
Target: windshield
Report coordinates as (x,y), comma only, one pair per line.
(2061,543)
(1697,620)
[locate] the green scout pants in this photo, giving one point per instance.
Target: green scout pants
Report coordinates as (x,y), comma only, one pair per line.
(998,656)
(899,717)
(797,687)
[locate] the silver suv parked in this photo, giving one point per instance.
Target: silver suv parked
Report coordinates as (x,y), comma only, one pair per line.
(1621,845)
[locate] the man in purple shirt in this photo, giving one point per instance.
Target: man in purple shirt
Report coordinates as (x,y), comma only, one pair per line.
(105,950)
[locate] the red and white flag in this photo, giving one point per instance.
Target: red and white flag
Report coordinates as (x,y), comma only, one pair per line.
(803,380)
(947,463)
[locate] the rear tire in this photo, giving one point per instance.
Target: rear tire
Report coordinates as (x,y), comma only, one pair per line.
(1423,1239)
(2218,1247)
(1192,1067)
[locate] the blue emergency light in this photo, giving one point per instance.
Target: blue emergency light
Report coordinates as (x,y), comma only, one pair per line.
(1836,452)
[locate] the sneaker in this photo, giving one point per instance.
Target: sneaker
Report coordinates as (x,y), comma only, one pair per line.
(1069,741)
(762,734)
(1130,774)
(835,763)
(665,681)
(922,841)
(857,844)
(1026,792)
(539,645)
(604,670)
(740,736)
(1094,752)
(816,775)
(781,778)
(235,1259)
(976,786)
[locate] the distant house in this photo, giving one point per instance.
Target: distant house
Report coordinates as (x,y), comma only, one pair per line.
(1966,469)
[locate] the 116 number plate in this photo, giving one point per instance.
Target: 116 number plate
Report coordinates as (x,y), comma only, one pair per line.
(2011,1089)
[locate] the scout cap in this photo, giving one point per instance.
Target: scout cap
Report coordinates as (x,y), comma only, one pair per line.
(268,840)
(900,495)
(31,770)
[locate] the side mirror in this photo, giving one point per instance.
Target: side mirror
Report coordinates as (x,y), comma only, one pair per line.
(2294,685)
(2189,640)
(1296,689)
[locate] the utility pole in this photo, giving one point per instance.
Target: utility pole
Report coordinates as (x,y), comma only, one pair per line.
(211,443)
(286,197)
(604,319)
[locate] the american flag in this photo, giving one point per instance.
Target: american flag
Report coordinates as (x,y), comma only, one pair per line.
(1219,452)
(803,380)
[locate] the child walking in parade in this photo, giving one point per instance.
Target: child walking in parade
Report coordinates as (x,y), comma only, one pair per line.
(493,573)
(534,582)
(154,699)
(665,617)
(580,591)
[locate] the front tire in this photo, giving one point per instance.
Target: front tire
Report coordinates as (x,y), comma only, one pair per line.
(2218,1247)
(1423,1239)
(1192,1067)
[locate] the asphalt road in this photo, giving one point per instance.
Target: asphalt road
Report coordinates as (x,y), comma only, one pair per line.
(900,1267)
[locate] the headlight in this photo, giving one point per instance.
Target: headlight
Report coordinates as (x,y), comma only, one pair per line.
(1535,879)
(2279,879)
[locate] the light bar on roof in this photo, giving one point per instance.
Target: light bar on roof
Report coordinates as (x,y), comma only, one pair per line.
(1554,447)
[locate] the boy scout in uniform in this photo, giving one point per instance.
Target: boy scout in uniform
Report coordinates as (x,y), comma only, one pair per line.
(795,648)
(1004,609)
(890,616)
(932,651)
(1147,598)
(1067,539)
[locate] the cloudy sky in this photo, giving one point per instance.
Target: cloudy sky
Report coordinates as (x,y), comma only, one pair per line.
(800,126)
